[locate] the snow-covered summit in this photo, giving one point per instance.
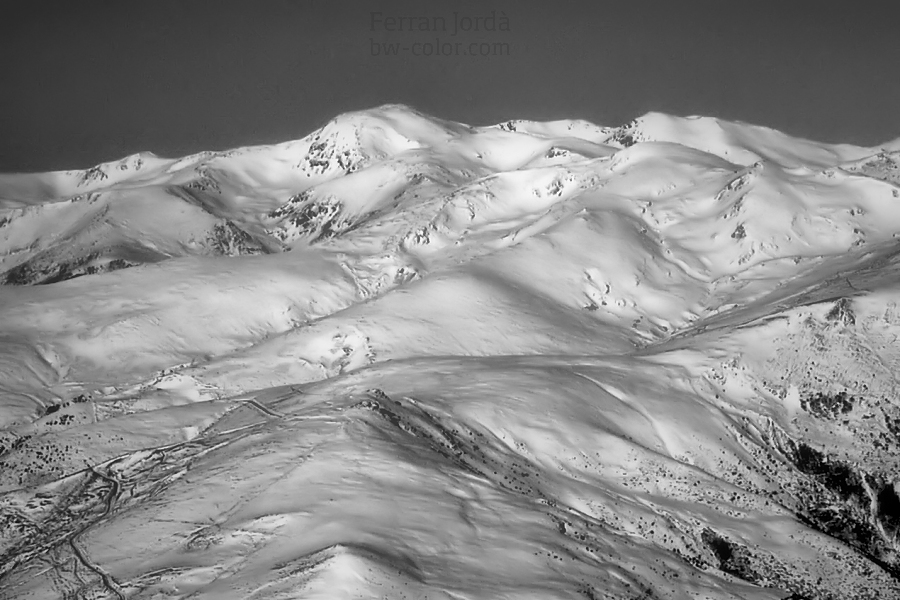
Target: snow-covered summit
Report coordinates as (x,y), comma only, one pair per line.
(737,142)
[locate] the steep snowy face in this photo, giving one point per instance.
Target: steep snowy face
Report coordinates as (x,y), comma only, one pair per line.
(404,357)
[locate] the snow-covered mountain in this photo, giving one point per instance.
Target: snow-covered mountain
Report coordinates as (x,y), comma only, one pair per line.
(408,358)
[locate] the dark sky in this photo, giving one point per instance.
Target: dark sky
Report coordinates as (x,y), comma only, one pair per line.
(84,82)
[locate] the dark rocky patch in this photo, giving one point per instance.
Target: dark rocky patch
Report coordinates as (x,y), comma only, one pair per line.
(18,275)
(626,135)
(230,240)
(840,504)
(883,166)
(842,312)
(892,424)
(834,475)
(625,139)
(828,406)
(204,182)
(841,523)
(19,442)
(320,220)
(289,206)
(323,154)
(46,269)
(887,506)
(118,263)
(732,558)
(93,174)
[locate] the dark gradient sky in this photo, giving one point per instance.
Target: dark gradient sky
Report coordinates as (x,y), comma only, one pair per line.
(84,82)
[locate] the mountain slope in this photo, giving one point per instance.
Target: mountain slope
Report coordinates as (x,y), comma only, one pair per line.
(404,357)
